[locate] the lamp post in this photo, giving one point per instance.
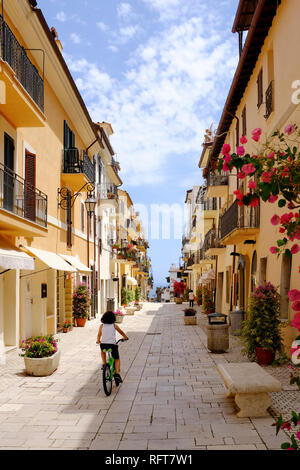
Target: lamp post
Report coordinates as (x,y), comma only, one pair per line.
(90,205)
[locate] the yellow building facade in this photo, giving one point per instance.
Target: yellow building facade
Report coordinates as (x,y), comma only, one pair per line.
(262,95)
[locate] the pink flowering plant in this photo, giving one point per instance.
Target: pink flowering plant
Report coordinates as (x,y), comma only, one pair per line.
(81,302)
(39,347)
(119,313)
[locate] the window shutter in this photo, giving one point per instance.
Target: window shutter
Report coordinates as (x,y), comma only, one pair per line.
(30,200)
(260,98)
(66,136)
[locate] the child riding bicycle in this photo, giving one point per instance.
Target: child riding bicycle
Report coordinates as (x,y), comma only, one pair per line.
(107,340)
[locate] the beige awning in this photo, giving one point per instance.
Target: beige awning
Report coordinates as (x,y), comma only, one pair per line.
(12,258)
(50,259)
(76,263)
(131,281)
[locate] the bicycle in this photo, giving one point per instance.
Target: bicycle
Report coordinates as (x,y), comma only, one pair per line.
(108,372)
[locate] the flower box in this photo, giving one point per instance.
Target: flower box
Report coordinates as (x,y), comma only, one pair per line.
(119,318)
(42,367)
(190,320)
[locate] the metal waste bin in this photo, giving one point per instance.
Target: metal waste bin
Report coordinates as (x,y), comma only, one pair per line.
(110,305)
(236,322)
(217,333)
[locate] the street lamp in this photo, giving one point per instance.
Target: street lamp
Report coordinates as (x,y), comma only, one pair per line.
(90,204)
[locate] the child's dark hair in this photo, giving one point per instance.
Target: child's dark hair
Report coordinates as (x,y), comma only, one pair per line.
(108,318)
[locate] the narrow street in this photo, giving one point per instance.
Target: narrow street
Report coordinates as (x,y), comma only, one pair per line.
(172,396)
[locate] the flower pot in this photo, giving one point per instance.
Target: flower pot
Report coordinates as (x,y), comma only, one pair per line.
(81,322)
(42,367)
(265,357)
(190,320)
(119,318)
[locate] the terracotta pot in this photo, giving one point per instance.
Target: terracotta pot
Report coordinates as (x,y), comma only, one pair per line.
(80,322)
(265,357)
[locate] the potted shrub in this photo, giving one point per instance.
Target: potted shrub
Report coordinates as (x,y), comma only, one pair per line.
(261,330)
(199,295)
(119,316)
(207,302)
(190,316)
(67,326)
(81,303)
(41,356)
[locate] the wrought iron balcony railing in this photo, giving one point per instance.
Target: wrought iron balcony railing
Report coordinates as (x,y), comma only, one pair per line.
(107,191)
(217,180)
(22,199)
(76,161)
(211,240)
(15,55)
(239,218)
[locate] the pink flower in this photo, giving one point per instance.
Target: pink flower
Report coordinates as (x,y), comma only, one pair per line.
(248,169)
(298,435)
(256,133)
(296,321)
(225,167)
(294,295)
(243,140)
(294,250)
(286,218)
(227,158)
(239,195)
(254,202)
(226,149)
(273,250)
(266,176)
(240,151)
(256,137)
(296,306)
(275,220)
(286,426)
(290,129)
(241,175)
(273,199)
(252,185)
(271,155)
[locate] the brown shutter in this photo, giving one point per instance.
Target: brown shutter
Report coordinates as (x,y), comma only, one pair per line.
(69,219)
(260,97)
(29,193)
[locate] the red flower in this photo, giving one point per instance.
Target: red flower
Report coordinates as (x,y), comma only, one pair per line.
(266,176)
(243,140)
(275,220)
(295,249)
(296,306)
(272,199)
(296,321)
(241,175)
(254,202)
(226,149)
(248,169)
(273,250)
(240,151)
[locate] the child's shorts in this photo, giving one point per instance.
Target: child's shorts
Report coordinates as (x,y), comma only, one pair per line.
(114,349)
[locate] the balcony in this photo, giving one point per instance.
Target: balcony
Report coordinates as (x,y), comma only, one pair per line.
(107,194)
(239,224)
(142,244)
(212,246)
(23,88)
(23,208)
(217,186)
(77,169)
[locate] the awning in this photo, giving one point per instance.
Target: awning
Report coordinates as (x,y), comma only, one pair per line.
(12,258)
(76,263)
(51,259)
(131,281)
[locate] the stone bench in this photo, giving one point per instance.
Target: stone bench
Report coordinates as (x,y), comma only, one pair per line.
(250,386)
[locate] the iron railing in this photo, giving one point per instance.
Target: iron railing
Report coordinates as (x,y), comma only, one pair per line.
(269,100)
(107,191)
(217,180)
(239,217)
(115,165)
(77,161)
(211,240)
(22,199)
(15,55)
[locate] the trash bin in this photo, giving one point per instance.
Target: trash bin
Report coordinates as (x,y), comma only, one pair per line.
(236,322)
(217,333)
(110,305)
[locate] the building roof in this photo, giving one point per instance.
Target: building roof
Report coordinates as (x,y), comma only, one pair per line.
(244,15)
(258,31)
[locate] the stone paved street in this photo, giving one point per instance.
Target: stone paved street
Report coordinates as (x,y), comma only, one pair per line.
(172,396)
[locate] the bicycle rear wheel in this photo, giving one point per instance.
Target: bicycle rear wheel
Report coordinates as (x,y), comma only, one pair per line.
(107,382)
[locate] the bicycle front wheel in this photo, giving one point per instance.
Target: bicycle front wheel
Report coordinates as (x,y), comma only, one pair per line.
(107,382)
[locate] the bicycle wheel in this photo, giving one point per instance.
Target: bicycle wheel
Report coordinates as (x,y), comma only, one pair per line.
(107,382)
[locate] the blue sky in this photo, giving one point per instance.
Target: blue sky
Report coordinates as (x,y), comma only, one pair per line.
(159,71)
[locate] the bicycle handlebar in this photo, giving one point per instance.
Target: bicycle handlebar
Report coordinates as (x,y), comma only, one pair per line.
(119,341)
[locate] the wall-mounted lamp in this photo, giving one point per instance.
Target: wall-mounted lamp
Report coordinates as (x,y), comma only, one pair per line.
(66,200)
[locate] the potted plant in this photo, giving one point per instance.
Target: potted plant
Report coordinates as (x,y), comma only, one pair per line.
(81,303)
(261,330)
(207,302)
(199,295)
(67,326)
(119,316)
(190,316)
(41,356)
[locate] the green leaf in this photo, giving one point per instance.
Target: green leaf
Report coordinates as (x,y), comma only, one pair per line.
(282,203)
(285,445)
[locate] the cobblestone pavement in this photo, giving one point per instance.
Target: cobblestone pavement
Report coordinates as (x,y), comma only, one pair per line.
(172,396)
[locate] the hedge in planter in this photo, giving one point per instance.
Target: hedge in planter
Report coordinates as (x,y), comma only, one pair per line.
(81,304)
(262,327)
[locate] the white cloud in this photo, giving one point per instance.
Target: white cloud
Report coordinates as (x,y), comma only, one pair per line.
(124,10)
(168,97)
(129,31)
(102,26)
(75,38)
(61,16)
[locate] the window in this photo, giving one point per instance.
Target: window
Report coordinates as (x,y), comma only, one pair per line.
(237,133)
(260,96)
(244,122)
(69,137)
